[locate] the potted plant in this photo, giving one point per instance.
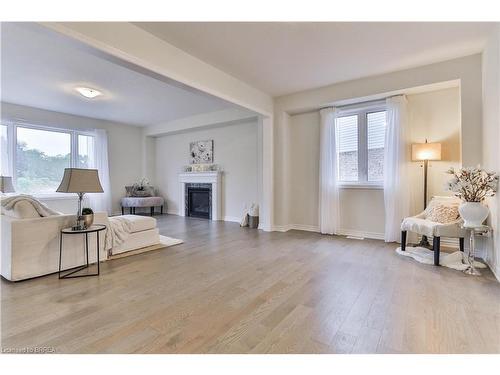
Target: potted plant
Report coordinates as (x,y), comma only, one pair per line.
(473,186)
(87,217)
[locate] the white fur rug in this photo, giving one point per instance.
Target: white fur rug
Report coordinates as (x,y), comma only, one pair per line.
(426,256)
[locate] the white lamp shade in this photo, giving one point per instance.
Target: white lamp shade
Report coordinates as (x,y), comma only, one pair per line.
(6,184)
(425,151)
(78,180)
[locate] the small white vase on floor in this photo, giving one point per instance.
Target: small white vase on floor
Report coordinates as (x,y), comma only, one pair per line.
(473,213)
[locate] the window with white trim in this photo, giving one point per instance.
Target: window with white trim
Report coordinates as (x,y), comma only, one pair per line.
(40,154)
(360,146)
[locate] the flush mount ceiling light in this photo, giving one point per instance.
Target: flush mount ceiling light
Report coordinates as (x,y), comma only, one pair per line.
(88,92)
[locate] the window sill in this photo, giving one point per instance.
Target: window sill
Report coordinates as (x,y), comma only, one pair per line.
(361,186)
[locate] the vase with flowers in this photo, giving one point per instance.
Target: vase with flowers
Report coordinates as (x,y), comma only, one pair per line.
(473,186)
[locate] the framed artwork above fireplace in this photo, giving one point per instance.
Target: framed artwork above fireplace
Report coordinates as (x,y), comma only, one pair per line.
(201,152)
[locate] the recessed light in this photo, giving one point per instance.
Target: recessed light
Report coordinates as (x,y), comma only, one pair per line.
(88,92)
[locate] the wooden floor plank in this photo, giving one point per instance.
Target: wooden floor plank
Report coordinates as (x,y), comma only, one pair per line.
(228,289)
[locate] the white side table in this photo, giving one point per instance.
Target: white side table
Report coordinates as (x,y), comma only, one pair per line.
(474,231)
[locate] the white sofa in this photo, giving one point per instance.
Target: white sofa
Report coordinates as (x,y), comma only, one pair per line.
(30,247)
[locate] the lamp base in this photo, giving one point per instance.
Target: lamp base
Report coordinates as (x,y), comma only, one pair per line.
(80,225)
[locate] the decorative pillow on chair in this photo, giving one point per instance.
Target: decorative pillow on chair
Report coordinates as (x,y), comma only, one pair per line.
(442,211)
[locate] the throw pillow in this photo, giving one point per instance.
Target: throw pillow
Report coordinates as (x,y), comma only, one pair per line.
(145,192)
(129,190)
(442,212)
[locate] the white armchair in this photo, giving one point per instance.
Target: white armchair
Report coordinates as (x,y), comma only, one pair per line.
(420,225)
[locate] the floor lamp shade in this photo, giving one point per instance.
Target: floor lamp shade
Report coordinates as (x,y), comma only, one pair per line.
(78,180)
(6,184)
(425,151)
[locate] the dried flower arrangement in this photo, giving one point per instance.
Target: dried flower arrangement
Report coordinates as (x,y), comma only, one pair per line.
(142,184)
(472,184)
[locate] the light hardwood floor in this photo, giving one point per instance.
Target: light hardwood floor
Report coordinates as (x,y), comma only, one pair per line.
(237,290)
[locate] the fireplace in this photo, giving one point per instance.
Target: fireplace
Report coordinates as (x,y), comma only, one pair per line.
(201,180)
(198,200)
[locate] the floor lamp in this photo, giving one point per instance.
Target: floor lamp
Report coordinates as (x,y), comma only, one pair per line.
(425,152)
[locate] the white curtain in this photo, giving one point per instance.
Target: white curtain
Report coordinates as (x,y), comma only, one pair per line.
(101,201)
(328,185)
(396,165)
(5,153)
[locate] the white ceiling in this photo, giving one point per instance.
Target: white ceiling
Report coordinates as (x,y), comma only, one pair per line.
(281,58)
(40,69)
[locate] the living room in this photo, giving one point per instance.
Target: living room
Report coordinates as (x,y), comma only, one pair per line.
(218,187)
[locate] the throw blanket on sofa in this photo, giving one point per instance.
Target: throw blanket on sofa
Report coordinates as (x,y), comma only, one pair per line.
(119,229)
(8,203)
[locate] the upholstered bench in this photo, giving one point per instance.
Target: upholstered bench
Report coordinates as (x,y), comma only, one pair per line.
(133,202)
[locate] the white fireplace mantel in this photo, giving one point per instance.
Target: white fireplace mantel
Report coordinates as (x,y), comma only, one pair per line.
(213,178)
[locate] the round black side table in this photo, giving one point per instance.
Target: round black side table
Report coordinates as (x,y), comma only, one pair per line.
(96,228)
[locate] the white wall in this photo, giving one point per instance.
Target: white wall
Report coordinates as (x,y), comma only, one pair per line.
(435,115)
(466,71)
(125,147)
(491,141)
(235,151)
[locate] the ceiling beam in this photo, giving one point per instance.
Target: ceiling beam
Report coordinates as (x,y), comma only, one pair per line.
(138,48)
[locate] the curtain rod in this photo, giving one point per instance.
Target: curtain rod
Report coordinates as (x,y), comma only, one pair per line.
(367,102)
(352,105)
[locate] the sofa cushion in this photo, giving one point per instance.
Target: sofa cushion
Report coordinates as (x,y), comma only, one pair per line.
(140,223)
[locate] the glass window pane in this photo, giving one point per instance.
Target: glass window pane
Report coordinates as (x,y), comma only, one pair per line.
(41,157)
(85,151)
(347,146)
(4,151)
(376,140)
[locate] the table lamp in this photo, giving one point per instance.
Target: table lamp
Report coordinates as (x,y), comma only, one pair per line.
(80,181)
(425,152)
(6,184)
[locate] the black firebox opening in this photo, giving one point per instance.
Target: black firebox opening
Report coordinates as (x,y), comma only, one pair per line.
(199,200)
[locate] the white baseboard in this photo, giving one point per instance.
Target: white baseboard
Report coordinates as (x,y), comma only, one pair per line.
(450,242)
(232,219)
(361,233)
(286,228)
(495,271)
(342,232)
(306,228)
